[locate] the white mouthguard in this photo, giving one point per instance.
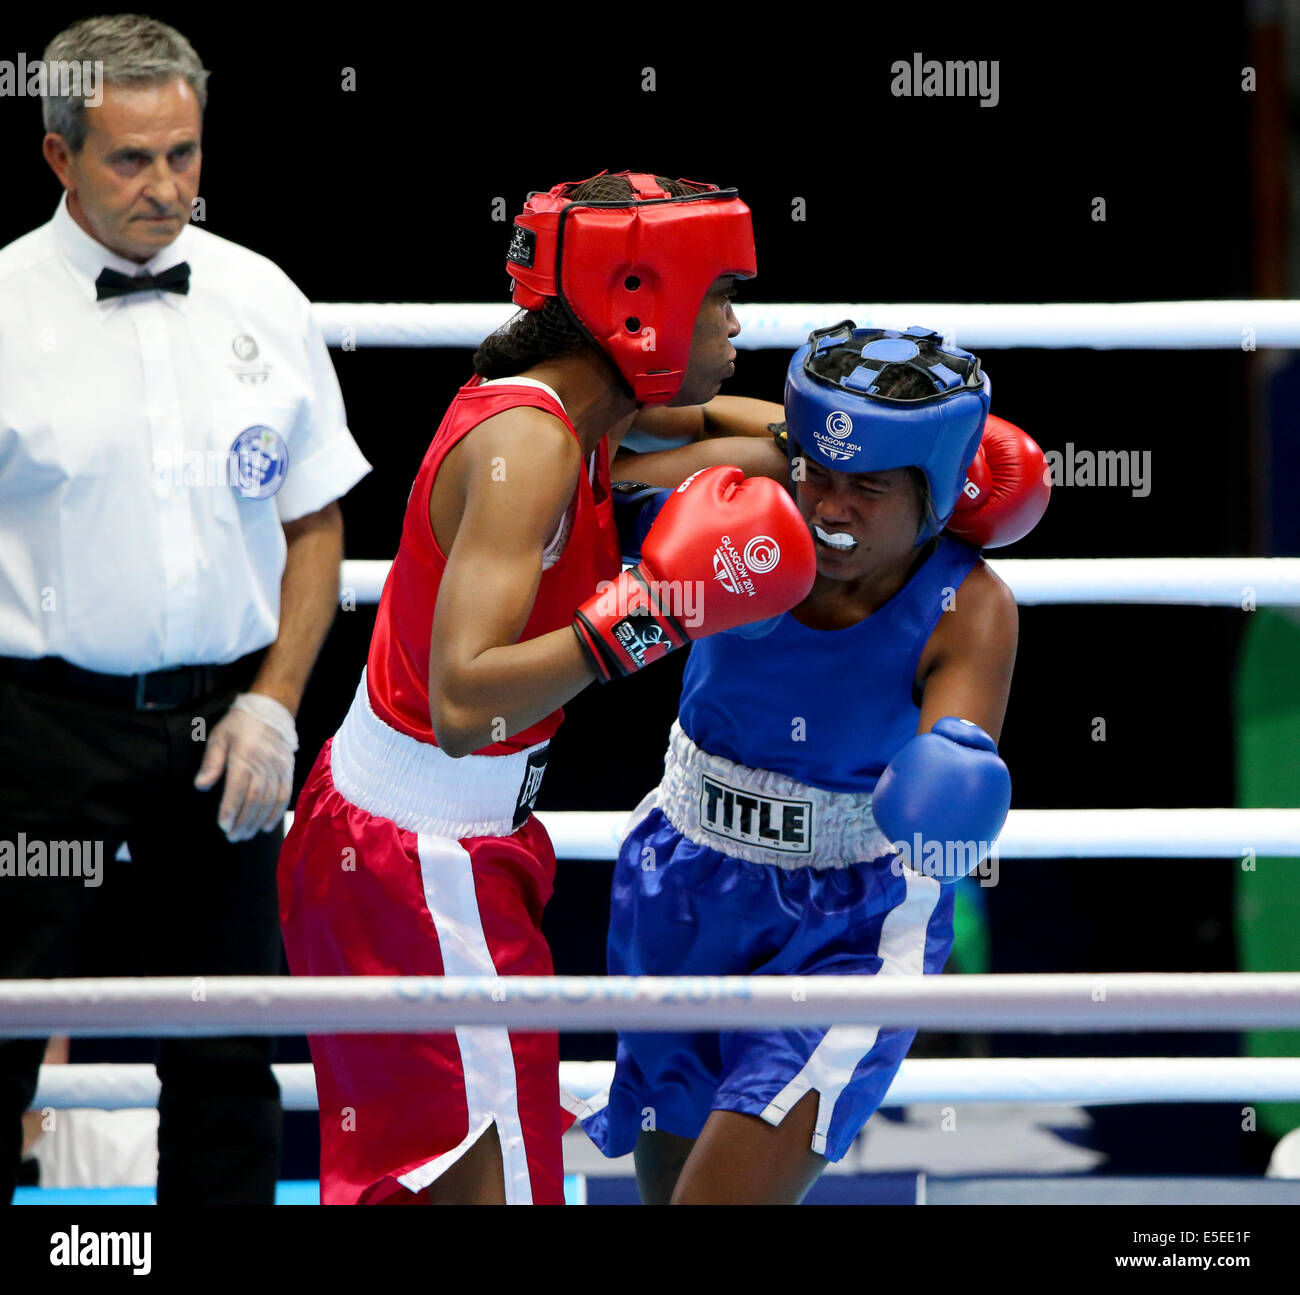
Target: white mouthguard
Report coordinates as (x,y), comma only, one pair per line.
(836,541)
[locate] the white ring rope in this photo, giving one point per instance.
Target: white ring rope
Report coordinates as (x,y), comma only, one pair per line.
(1203,582)
(1228,325)
(225,1005)
(1246,834)
(1091,1081)
(1243,583)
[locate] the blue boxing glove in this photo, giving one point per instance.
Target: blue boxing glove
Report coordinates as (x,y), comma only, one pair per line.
(943,799)
(636,506)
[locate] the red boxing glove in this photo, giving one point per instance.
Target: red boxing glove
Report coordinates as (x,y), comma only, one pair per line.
(724,551)
(1007,488)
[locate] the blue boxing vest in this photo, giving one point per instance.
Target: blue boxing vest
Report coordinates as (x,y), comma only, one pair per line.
(829,708)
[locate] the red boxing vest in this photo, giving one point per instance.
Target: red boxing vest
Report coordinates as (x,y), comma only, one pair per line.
(398,666)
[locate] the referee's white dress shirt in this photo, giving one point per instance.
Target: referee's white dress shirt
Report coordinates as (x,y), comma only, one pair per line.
(129,539)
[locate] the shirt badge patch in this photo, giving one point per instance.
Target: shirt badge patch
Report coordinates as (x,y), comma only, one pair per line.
(259,460)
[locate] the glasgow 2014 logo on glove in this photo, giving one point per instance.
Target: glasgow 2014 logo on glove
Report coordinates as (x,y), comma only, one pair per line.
(762,554)
(732,569)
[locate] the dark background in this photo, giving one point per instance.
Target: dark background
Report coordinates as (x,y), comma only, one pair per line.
(386,193)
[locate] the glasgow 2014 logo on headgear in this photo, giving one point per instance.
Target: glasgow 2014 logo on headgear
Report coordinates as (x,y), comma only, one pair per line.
(762,553)
(839,424)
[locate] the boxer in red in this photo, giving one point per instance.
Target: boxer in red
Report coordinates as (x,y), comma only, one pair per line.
(414,850)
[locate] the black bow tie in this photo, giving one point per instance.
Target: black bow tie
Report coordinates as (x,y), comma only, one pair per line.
(112,284)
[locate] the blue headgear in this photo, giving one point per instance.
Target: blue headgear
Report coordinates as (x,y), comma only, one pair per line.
(845,425)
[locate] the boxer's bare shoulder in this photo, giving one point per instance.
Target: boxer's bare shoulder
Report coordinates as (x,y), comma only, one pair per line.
(521,463)
(971,651)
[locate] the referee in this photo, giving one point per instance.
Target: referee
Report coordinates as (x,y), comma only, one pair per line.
(172,446)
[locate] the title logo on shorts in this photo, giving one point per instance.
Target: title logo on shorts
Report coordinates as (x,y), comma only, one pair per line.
(530,787)
(770,821)
(733,569)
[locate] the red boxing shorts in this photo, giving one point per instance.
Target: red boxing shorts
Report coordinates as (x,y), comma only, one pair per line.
(402,862)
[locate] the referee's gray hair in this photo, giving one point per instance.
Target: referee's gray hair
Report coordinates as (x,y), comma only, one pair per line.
(134,50)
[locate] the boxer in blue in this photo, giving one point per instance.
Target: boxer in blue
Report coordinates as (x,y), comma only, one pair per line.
(804,747)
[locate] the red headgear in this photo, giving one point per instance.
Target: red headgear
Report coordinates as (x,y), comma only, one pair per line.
(633,271)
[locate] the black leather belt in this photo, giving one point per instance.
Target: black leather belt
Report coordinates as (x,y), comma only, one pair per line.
(158,690)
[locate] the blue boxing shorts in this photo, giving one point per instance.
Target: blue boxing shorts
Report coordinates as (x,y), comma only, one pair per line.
(681,906)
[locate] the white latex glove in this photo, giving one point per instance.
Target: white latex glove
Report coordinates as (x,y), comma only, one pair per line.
(253,743)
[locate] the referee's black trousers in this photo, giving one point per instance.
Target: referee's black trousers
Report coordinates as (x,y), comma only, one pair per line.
(78,777)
